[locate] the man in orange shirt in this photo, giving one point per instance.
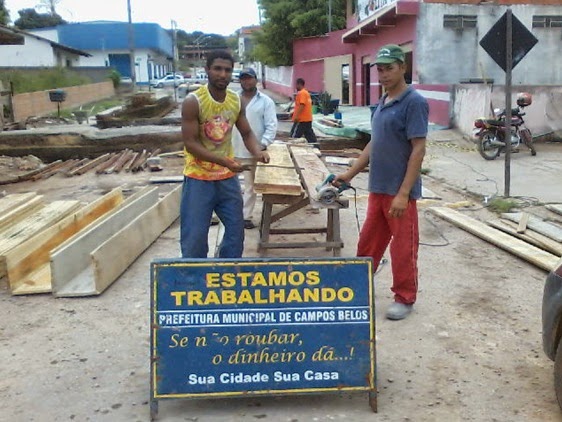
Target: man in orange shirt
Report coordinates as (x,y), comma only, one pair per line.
(302,115)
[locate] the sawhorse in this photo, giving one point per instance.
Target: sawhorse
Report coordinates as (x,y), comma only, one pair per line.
(333,240)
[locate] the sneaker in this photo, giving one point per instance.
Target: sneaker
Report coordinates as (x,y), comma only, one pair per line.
(214,220)
(249,224)
(398,311)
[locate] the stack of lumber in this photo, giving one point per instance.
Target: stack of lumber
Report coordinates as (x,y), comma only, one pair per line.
(526,236)
(28,264)
(279,176)
(124,161)
(71,249)
(91,261)
(32,225)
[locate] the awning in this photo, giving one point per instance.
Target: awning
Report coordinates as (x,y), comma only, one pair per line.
(386,16)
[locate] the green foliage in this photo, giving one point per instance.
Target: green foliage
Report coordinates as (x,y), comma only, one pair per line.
(501,205)
(30,19)
(115,77)
(4,14)
(324,99)
(286,20)
(40,80)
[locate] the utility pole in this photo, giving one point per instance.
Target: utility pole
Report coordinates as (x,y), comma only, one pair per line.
(174,26)
(131,46)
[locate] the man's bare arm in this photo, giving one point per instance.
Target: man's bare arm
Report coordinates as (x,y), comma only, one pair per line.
(414,166)
(400,201)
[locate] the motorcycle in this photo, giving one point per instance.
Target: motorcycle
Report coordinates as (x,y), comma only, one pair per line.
(490,133)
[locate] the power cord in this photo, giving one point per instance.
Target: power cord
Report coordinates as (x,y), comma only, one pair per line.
(441,235)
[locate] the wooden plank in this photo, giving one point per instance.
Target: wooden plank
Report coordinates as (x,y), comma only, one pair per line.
(548,229)
(530,236)
(134,240)
(88,166)
(282,179)
(340,161)
(313,172)
(9,202)
(14,215)
(25,262)
(312,169)
(522,226)
(166,179)
(518,247)
(557,208)
(32,225)
(72,273)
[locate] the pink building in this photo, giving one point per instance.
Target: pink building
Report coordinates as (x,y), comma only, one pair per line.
(340,62)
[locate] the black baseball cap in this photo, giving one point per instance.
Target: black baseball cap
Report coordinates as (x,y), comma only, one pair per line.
(248,71)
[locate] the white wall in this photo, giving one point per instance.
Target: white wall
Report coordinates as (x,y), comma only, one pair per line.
(447,56)
(472,101)
(32,53)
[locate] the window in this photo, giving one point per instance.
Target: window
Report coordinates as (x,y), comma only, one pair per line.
(546,21)
(459,21)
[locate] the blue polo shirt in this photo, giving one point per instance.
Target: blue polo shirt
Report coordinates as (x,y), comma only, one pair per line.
(392,126)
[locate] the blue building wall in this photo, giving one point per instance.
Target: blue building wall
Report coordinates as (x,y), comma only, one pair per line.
(115,36)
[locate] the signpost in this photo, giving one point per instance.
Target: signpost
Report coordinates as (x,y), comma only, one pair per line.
(507,42)
(261,327)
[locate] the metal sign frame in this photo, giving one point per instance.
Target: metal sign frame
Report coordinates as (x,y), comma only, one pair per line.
(207,314)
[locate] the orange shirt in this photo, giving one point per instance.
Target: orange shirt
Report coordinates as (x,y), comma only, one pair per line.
(303,97)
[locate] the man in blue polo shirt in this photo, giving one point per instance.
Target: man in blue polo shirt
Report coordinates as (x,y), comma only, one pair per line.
(395,154)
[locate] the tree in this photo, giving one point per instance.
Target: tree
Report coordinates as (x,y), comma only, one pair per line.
(286,20)
(30,19)
(4,14)
(49,5)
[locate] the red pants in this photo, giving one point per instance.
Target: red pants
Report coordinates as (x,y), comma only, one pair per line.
(402,233)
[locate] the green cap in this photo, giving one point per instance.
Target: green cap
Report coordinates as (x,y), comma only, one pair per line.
(390,53)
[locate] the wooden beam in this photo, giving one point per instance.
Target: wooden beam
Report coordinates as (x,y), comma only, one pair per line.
(28,263)
(18,213)
(279,176)
(71,269)
(522,226)
(9,202)
(313,172)
(312,169)
(522,249)
(548,229)
(33,225)
(134,239)
(557,208)
(530,236)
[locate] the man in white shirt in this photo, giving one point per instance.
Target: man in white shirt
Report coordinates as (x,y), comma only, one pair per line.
(262,116)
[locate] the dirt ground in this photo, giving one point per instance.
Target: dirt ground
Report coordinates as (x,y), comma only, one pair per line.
(471,351)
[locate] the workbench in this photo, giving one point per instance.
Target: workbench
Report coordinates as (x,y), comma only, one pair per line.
(289,183)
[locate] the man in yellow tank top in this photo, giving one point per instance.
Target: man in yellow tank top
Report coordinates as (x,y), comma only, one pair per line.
(210,172)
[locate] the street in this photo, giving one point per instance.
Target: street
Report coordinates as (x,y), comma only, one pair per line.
(471,350)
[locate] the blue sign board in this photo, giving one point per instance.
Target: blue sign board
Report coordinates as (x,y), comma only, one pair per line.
(261,326)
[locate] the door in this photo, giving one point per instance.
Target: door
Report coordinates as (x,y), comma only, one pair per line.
(121,63)
(366,84)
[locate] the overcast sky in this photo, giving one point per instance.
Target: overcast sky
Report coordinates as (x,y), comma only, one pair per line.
(209,16)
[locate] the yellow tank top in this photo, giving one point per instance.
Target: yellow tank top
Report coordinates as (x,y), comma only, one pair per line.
(215,132)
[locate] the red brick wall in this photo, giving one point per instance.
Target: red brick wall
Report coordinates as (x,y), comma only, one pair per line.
(38,103)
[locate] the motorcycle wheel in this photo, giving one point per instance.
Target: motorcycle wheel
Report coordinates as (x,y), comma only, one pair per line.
(527,138)
(487,150)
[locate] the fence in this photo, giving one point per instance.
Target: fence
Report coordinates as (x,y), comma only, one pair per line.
(38,103)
